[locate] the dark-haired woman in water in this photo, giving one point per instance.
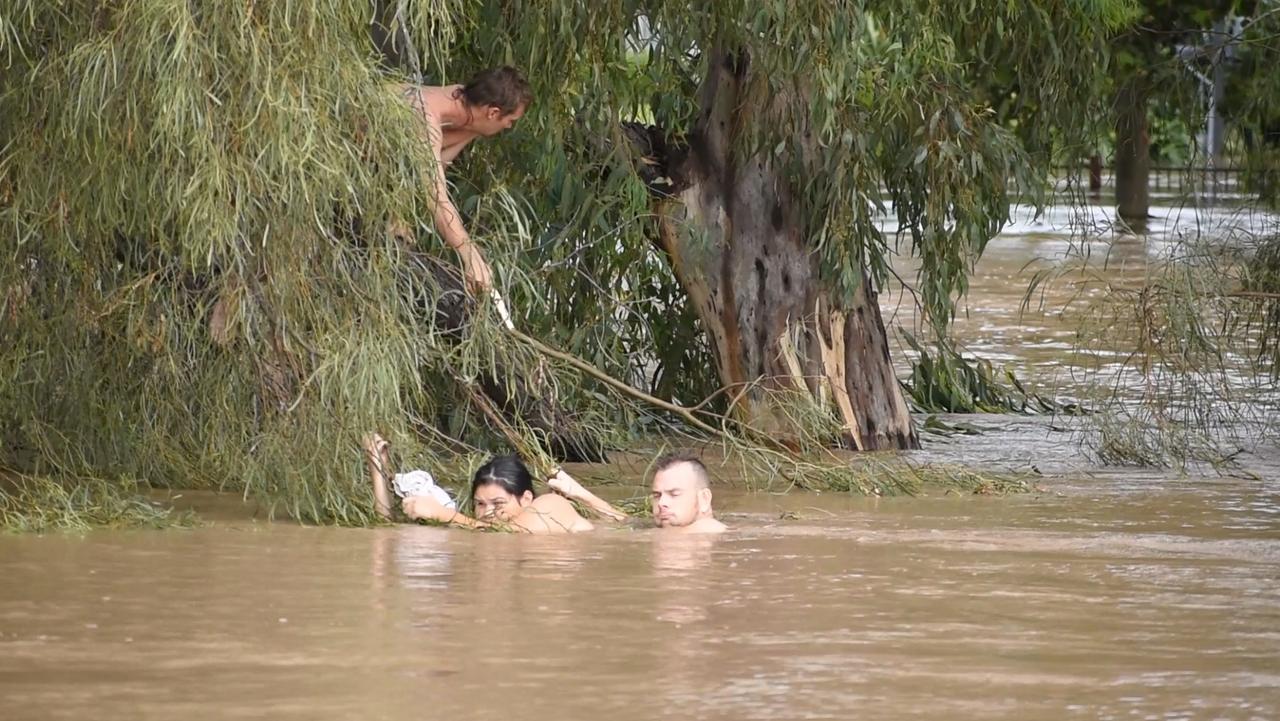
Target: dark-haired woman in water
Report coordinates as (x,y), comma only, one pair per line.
(501,493)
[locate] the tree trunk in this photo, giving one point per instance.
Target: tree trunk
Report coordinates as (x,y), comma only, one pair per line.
(735,244)
(1133,160)
(1095,175)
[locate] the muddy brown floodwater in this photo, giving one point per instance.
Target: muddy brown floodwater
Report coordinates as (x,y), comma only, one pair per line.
(1110,594)
(1144,601)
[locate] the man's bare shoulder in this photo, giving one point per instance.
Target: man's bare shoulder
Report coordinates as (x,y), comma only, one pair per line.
(425,103)
(706,525)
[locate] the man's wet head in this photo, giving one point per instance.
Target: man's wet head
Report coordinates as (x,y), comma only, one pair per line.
(495,100)
(681,491)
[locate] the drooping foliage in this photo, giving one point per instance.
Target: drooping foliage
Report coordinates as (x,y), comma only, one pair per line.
(197,290)
(891,92)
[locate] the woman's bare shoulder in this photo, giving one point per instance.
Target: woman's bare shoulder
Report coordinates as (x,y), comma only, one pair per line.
(550,513)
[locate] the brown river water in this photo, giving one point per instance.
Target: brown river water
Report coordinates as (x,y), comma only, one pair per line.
(1106,594)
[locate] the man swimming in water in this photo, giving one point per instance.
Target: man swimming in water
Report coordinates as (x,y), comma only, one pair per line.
(680,495)
(452,116)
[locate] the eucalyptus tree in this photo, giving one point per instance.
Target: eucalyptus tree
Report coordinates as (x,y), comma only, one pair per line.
(775,133)
(197,289)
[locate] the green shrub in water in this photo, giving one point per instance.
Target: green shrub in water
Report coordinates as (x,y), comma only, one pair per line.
(39,504)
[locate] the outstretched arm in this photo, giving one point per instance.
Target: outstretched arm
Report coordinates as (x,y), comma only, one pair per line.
(567,486)
(547,514)
(449,220)
(378,460)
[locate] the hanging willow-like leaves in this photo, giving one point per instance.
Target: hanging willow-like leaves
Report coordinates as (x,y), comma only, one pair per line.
(196,289)
(859,96)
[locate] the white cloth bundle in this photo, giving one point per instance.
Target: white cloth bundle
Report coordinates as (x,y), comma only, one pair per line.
(420,483)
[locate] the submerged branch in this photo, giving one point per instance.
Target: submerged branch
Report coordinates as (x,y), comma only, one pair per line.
(685,413)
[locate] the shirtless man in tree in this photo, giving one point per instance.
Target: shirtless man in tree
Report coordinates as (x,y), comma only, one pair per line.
(680,496)
(453,116)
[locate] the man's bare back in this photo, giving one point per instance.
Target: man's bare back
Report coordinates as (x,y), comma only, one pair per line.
(432,104)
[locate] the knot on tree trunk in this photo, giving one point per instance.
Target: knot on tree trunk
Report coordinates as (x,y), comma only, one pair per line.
(658,161)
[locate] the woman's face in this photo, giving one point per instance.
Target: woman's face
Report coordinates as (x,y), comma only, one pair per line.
(494,503)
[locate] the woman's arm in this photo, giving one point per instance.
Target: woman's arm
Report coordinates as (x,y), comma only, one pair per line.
(379,462)
(546,515)
(567,486)
(426,508)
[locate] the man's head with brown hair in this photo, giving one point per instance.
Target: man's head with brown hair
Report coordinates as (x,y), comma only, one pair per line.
(504,88)
(495,98)
(681,490)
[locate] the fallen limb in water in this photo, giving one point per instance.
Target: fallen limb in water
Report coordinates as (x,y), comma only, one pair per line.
(688,414)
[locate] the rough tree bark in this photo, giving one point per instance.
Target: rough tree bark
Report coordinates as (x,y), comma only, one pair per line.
(733,236)
(1133,157)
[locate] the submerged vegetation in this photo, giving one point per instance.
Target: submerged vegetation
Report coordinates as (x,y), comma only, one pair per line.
(1178,340)
(1177,350)
(40,503)
(945,381)
(1260,293)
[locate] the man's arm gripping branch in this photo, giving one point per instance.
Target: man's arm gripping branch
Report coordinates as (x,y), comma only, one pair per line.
(449,222)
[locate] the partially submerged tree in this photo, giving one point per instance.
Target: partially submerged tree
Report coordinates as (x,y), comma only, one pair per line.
(777,134)
(196,290)
(1188,57)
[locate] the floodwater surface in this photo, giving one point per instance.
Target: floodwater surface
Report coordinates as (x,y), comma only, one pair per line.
(1103,600)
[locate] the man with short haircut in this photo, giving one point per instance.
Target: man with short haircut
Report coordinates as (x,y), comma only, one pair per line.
(452,116)
(680,497)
